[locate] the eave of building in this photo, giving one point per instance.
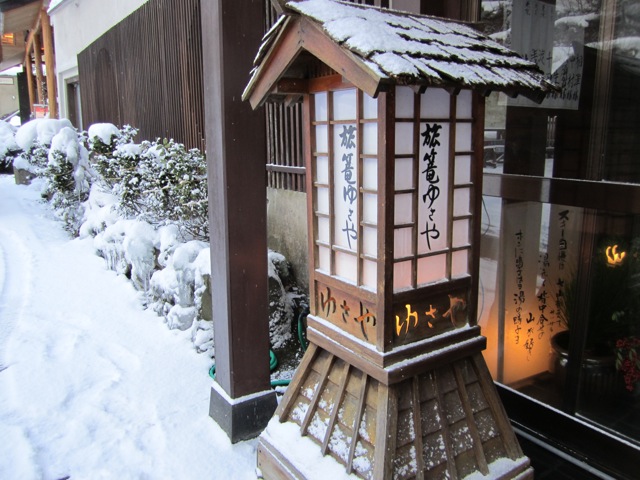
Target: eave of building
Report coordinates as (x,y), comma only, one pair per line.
(17,18)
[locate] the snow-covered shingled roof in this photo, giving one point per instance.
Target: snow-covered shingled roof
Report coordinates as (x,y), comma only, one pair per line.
(409,49)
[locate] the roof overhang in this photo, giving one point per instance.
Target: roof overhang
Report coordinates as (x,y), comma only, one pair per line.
(282,70)
(284,60)
(17,18)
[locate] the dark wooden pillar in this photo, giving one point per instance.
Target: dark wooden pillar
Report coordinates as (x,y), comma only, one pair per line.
(242,401)
(23,95)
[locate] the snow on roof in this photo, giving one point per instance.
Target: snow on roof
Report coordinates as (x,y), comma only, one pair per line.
(407,48)
(399,42)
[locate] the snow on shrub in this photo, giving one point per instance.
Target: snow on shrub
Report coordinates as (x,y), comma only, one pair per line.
(284,299)
(34,139)
(161,182)
(100,211)
(140,253)
(68,176)
(109,245)
(145,205)
(8,146)
(101,137)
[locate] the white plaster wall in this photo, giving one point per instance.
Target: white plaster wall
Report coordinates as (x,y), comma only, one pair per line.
(76,24)
(8,95)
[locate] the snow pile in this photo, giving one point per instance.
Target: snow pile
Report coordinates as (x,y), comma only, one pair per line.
(172,274)
(105,132)
(93,386)
(40,130)
(303,453)
(577,21)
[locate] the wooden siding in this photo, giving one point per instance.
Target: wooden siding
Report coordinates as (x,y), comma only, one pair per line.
(147,72)
(285,160)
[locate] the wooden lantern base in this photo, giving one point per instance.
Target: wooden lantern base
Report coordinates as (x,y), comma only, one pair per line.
(446,422)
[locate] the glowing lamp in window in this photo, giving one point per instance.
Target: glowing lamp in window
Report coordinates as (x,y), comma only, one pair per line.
(614,257)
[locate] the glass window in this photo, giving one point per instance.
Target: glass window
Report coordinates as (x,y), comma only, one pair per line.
(560,253)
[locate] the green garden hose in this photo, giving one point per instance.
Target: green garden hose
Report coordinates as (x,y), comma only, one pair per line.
(273,360)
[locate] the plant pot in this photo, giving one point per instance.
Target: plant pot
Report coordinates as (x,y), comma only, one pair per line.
(599,377)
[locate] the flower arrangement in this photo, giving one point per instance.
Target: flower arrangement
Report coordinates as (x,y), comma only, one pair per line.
(628,361)
(627,345)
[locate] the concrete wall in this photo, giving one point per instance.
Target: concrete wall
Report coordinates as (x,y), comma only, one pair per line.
(76,24)
(287,229)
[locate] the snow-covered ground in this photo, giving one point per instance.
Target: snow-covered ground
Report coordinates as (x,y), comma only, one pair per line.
(91,385)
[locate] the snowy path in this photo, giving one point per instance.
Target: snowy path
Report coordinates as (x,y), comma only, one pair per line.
(91,385)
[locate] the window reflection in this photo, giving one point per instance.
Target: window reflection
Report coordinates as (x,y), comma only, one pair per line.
(591,49)
(533,300)
(560,284)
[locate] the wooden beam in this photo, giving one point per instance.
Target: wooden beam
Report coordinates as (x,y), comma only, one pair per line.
(37,57)
(28,67)
(316,42)
(29,43)
(291,99)
(329,82)
(298,34)
(50,62)
(292,85)
(285,49)
(236,145)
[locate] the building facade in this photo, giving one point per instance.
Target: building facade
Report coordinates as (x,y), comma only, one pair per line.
(90,20)
(559,294)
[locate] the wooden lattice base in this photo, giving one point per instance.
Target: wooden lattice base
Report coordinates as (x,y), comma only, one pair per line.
(445,423)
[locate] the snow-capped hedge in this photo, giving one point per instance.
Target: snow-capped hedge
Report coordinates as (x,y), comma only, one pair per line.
(145,206)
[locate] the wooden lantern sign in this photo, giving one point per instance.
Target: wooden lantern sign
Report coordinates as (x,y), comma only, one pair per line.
(394,384)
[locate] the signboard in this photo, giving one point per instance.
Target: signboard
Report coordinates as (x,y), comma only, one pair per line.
(41,111)
(540,258)
(346,312)
(532,35)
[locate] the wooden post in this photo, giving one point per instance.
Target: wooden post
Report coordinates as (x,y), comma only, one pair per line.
(28,67)
(236,146)
(23,96)
(37,57)
(50,62)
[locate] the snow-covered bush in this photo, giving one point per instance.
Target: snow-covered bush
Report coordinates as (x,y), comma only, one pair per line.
(173,275)
(180,193)
(160,182)
(53,150)
(34,140)
(68,176)
(145,206)
(8,146)
(281,299)
(102,141)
